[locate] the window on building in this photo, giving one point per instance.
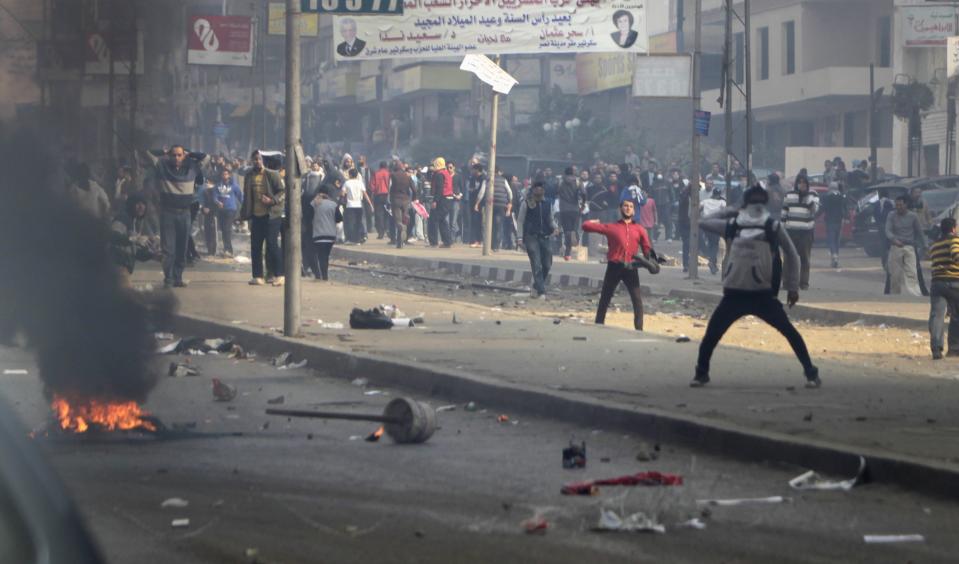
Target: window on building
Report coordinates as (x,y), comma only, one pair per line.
(849,129)
(789,48)
(764,53)
(740,41)
(885,41)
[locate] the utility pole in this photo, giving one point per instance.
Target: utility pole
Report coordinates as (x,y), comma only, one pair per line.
(749,91)
(491,176)
(292,260)
(692,261)
(873,151)
(110,39)
(728,88)
(134,57)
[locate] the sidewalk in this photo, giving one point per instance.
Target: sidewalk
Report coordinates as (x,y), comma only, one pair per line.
(756,406)
(836,297)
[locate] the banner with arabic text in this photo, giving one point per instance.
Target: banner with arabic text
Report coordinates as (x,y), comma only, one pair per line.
(446,28)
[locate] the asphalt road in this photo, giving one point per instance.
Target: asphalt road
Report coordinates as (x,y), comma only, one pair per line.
(302,491)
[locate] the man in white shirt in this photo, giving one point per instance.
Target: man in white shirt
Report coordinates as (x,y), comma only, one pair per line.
(355,192)
(710,207)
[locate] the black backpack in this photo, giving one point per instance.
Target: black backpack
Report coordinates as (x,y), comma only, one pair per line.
(369,319)
(771,229)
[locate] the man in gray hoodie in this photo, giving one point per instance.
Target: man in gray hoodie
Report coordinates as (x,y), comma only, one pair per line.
(760,255)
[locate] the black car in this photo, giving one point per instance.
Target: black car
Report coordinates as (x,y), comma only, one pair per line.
(865,228)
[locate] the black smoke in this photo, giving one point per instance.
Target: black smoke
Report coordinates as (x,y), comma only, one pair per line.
(59,286)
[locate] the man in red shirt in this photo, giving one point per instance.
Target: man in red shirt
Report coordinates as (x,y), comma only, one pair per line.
(648,214)
(380,189)
(625,239)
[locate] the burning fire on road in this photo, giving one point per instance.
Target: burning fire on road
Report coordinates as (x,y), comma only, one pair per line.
(81,416)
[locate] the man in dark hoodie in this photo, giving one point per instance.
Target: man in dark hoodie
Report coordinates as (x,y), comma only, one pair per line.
(572,199)
(534,229)
(177,174)
(264,197)
(133,234)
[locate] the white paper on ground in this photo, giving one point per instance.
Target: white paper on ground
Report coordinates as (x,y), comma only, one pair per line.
(610,521)
(175,502)
(10,371)
(813,481)
(168,348)
(742,501)
(180,523)
(292,365)
(883,539)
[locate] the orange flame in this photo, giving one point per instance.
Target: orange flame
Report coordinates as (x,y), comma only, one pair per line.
(375,435)
(77,417)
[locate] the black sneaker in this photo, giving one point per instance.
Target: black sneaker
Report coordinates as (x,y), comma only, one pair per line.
(812,379)
(700,380)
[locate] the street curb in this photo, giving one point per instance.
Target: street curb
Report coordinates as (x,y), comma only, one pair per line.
(724,439)
(818,314)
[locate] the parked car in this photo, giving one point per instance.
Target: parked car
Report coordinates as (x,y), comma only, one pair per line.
(940,204)
(866,230)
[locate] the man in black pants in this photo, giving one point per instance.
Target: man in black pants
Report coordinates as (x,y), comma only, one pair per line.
(624,239)
(760,255)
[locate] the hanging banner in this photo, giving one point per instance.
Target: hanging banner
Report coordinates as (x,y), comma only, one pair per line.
(220,40)
(597,72)
(444,28)
(952,57)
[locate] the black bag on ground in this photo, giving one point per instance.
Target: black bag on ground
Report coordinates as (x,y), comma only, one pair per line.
(369,319)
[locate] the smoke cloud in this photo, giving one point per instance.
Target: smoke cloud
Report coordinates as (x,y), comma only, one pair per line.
(59,286)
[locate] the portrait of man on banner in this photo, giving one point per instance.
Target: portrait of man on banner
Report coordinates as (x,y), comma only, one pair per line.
(351,46)
(625,35)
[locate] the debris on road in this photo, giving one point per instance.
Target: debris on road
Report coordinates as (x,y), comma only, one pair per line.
(470,406)
(222,391)
(174,502)
(375,435)
(237,352)
(742,501)
(579,338)
(330,325)
(369,319)
(402,323)
(163,336)
(683,339)
(180,523)
(282,359)
(503,418)
(13,371)
(445,408)
(694,523)
(609,520)
(886,539)
(360,382)
(574,456)
(279,400)
(591,487)
(180,370)
(455,321)
(813,481)
(293,365)
(647,454)
(372,393)
(535,526)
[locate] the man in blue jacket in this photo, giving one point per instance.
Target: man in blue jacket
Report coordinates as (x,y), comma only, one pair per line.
(220,205)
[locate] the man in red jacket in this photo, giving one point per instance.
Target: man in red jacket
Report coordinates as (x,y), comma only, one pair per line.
(625,239)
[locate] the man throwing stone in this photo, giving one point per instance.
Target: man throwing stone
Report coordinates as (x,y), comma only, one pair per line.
(760,255)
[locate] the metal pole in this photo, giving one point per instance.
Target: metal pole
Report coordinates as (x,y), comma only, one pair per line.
(134,57)
(292,260)
(873,151)
(692,261)
(749,91)
(111,96)
(262,44)
(728,98)
(491,176)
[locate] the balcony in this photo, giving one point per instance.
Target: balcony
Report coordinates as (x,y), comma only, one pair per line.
(818,92)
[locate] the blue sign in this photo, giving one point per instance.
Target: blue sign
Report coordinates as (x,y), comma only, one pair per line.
(701,122)
(358,7)
(221,130)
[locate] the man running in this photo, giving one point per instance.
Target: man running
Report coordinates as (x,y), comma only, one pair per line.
(757,248)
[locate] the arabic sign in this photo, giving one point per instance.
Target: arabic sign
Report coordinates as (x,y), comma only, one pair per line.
(596,72)
(489,72)
(927,26)
(444,28)
(952,57)
(562,75)
(220,40)
(309,23)
(353,6)
(701,122)
(661,76)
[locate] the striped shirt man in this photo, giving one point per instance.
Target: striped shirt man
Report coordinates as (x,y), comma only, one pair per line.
(945,259)
(799,210)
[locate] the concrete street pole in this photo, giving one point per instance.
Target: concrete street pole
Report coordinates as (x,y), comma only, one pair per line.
(692,262)
(873,151)
(292,258)
(749,89)
(490,177)
(728,89)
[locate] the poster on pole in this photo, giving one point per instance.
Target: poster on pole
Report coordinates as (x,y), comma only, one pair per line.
(489,72)
(276,25)
(445,28)
(220,40)
(662,76)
